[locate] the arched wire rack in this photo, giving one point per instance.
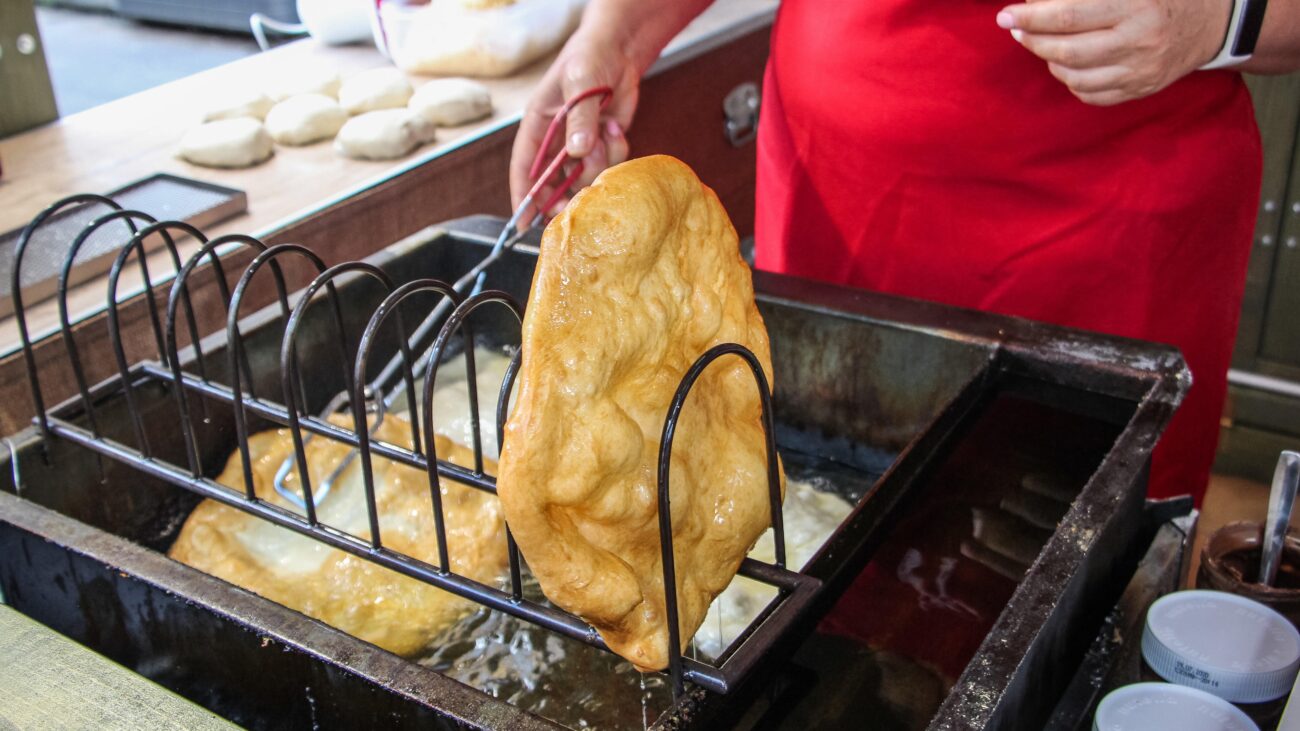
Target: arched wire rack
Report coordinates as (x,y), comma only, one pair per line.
(187,374)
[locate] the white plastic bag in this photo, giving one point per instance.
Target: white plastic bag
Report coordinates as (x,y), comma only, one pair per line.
(446,38)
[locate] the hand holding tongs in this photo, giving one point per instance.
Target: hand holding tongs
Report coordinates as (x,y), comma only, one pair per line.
(511,234)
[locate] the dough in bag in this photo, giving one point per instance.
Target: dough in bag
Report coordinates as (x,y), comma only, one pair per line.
(398,613)
(227,143)
(479,38)
(638,277)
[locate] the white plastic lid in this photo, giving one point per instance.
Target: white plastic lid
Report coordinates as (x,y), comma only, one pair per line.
(1224,644)
(1165,707)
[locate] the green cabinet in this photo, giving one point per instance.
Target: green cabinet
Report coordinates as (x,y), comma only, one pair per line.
(1263,414)
(26,97)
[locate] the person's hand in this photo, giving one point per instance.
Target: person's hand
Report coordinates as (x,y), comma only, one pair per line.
(1111,51)
(588,60)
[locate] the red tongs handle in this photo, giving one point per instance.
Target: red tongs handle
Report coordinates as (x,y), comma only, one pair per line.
(540,175)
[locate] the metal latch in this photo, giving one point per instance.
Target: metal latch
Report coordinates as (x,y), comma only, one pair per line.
(741,110)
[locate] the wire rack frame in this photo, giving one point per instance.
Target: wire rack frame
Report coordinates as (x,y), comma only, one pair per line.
(795,591)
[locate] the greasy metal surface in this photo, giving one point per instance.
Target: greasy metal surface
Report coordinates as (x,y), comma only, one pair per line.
(1025,660)
(1051,617)
(842,377)
(871,382)
(1115,657)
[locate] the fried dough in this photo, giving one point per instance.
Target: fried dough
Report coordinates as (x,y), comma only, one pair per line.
(398,613)
(638,277)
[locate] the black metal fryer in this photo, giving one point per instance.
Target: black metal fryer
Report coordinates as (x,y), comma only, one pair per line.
(882,388)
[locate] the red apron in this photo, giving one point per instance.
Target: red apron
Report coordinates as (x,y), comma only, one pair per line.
(913,147)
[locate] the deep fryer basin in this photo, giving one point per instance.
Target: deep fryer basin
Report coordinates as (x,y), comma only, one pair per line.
(871,383)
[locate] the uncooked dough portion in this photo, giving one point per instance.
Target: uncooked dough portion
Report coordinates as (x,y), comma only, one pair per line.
(451,102)
(383,135)
(302,120)
(304,80)
(235,102)
(381,88)
(638,277)
(398,613)
(227,143)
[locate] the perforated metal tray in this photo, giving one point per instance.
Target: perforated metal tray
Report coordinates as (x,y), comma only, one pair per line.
(164,196)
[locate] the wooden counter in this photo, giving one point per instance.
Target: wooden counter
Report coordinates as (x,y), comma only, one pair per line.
(343,208)
(47,681)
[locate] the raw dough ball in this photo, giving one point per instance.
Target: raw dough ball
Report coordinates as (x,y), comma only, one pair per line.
(302,120)
(382,88)
(304,81)
(234,102)
(451,102)
(227,143)
(383,135)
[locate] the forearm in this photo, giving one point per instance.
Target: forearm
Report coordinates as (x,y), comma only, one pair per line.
(641,28)
(613,47)
(1278,49)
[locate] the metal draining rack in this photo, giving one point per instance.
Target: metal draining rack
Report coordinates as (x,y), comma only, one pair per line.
(795,591)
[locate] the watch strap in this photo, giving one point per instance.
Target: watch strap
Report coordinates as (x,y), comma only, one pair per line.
(1243,32)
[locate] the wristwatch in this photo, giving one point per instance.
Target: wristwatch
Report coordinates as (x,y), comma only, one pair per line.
(1243,32)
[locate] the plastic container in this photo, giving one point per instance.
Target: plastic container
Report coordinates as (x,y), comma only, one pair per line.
(336,22)
(1230,562)
(453,38)
(1229,646)
(1167,707)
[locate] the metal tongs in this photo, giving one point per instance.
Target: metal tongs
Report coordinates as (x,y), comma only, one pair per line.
(388,385)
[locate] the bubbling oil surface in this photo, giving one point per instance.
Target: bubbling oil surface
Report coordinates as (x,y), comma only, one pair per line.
(563,679)
(582,687)
(899,637)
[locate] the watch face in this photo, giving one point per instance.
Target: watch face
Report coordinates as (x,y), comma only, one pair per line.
(1252,19)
